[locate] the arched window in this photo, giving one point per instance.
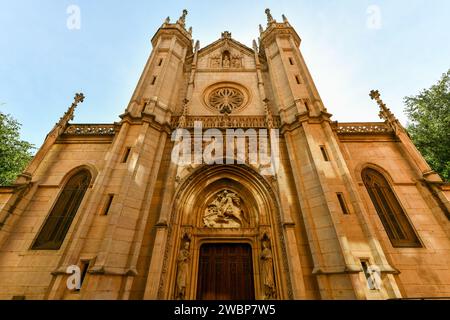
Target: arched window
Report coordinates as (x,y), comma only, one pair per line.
(58,222)
(394,219)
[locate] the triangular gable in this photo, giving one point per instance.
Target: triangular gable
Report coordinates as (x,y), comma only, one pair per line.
(224,41)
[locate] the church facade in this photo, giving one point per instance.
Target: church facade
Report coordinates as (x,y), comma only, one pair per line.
(226,178)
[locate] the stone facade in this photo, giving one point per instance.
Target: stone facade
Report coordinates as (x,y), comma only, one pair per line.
(313,227)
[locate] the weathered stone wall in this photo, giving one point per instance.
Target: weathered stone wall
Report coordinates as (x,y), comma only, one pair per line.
(424,272)
(26,272)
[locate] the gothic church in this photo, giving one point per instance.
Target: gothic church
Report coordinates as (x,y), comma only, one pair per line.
(352,211)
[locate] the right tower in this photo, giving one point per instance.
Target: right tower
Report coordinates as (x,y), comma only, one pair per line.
(376,216)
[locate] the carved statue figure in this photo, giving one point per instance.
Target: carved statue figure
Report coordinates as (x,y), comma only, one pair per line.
(226,62)
(267,275)
(183,263)
(236,62)
(215,62)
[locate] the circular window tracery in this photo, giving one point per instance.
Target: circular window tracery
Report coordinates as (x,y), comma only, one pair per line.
(226,100)
(226,97)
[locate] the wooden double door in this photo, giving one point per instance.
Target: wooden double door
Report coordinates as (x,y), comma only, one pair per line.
(225,272)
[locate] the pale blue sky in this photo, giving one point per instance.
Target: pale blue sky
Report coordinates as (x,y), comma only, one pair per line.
(43,63)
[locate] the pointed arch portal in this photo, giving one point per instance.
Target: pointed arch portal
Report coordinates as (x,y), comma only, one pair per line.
(230,216)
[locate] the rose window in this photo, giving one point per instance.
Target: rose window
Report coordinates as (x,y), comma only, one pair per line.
(226,100)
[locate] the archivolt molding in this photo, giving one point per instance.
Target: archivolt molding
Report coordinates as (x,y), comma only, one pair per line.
(360,167)
(89,167)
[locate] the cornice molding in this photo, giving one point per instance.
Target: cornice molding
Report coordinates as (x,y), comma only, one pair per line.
(276,29)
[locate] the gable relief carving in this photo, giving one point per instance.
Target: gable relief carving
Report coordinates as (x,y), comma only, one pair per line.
(225,211)
(226,60)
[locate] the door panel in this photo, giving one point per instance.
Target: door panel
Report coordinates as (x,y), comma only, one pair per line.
(225,272)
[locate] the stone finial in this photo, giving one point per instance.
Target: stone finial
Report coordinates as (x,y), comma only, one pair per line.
(269,16)
(226,35)
(79,97)
(190,31)
(68,116)
(167,21)
(197,45)
(375,95)
(285,20)
(385,112)
(261,29)
(182,20)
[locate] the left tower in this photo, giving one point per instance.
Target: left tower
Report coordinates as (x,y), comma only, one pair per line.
(110,175)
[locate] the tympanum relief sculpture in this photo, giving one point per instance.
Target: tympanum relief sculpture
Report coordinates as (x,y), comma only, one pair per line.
(225,211)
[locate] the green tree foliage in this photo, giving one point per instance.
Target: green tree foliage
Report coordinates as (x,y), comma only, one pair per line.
(14,153)
(429,113)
